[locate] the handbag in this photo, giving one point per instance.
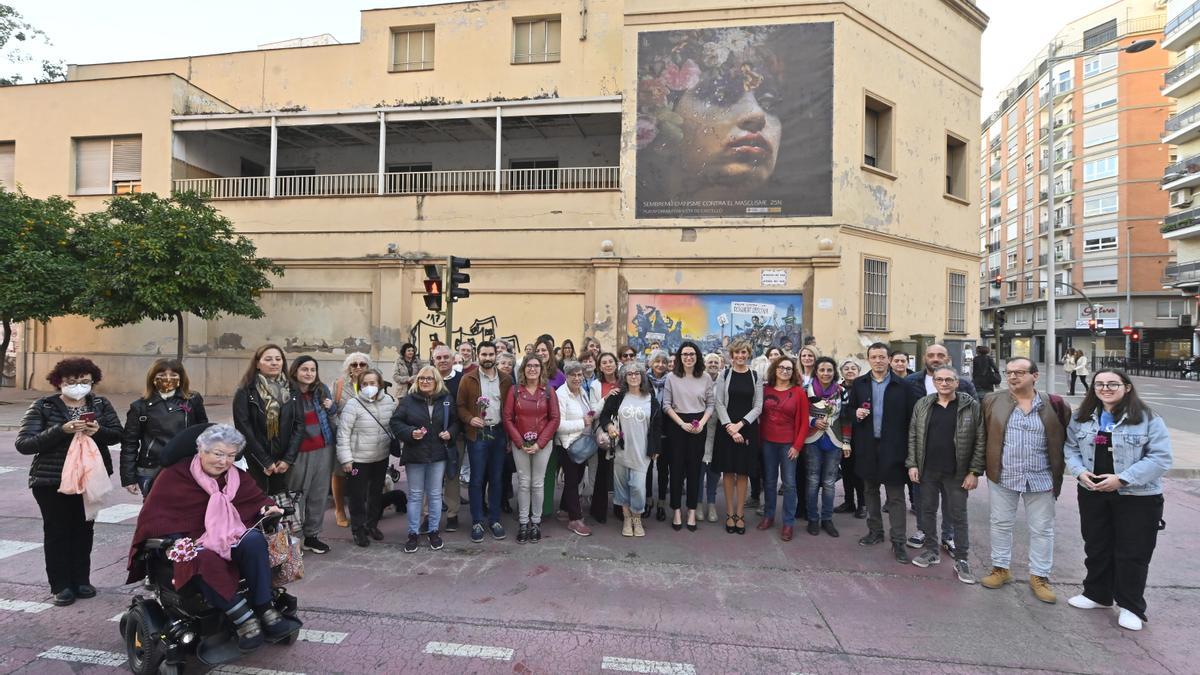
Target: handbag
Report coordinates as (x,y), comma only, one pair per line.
(285,557)
(582,448)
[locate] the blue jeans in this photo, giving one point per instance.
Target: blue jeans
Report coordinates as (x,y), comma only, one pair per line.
(775,465)
(709,480)
(424,479)
(487,465)
(629,488)
(822,476)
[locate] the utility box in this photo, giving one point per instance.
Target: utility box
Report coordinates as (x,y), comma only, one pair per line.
(922,343)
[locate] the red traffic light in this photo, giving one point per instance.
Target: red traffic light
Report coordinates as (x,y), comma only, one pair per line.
(998,281)
(1128,330)
(1135,336)
(433,286)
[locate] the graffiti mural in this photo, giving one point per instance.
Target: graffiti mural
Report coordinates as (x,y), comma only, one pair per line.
(713,320)
(432,329)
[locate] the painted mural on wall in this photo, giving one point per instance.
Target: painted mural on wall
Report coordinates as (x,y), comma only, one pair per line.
(432,329)
(713,320)
(735,122)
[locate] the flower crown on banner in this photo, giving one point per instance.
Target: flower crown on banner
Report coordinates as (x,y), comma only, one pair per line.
(719,65)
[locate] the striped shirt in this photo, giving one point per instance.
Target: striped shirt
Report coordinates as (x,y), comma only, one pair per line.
(1025,462)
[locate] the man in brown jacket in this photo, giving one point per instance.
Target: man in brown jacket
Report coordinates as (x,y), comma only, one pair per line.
(1024,458)
(480,394)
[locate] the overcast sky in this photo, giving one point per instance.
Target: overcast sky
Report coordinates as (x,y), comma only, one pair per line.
(88,31)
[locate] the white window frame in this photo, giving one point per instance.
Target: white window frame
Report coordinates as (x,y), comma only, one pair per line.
(1100,204)
(427,54)
(1100,133)
(1100,98)
(1100,63)
(123,160)
(545,55)
(1103,239)
(1100,168)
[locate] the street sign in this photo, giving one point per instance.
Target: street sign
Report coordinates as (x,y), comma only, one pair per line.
(1128,330)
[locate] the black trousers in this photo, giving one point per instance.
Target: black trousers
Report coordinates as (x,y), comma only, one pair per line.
(852,485)
(270,485)
(602,484)
(365,493)
(66,538)
(1119,535)
(661,466)
(572,477)
(1071,385)
(801,479)
(687,460)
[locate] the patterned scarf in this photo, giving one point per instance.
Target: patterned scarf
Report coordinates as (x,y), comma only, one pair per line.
(274,394)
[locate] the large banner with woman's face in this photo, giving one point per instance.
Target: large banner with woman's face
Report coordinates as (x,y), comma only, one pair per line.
(735,122)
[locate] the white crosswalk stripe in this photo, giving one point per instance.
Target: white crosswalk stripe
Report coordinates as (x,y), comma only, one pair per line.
(10,547)
(324,637)
(24,606)
(81,655)
(626,665)
(9,469)
(118,513)
(470,651)
(248,670)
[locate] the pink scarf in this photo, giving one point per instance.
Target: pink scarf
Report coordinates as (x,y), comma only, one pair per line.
(223,526)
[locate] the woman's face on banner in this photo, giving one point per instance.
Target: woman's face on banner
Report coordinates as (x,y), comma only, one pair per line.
(732,147)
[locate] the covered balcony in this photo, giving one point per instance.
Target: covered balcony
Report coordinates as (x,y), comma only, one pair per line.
(521,146)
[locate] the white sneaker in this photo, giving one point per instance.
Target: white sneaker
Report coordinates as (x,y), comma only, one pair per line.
(1082,601)
(1128,620)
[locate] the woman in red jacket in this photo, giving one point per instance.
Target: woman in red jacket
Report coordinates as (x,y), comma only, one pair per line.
(530,420)
(784,425)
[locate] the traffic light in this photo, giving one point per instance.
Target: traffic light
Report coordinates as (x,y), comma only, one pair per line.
(457,279)
(1001,317)
(433,288)
(998,281)
(1135,336)
(1092,326)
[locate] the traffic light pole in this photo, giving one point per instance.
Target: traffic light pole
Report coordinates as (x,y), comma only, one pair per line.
(446,272)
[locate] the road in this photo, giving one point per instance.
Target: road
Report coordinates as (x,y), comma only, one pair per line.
(674,602)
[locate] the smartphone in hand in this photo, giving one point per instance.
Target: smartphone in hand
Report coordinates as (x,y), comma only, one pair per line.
(88,417)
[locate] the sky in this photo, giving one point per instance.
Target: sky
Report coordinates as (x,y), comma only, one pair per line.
(87,31)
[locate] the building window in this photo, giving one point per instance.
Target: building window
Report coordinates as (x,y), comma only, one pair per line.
(1029,223)
(537,40)
(1011,202)
(1011,259)
(1099,205)
(1101,63)
(1170,309)
(1100,98)
(8,168)
(1039,313)
(1064,82)
(956,167)
(1105,167)
(877,134)
(1012,173)
(412,48)
(1101,132)
(1101,34)
(956,318)
(1100,240)
(1011,232)
(1012,289)
(1100,275)
(108,165)
(875,294)
(1028,254)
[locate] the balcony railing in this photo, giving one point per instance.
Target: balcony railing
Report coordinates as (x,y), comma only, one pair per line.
(995,144)
(1181,19)
(1182,119)
(1179,221)
(1181,168)
(406,183)
(1186,272)
(1182,70)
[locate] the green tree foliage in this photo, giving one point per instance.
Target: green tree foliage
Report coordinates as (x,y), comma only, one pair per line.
(16,37)
(159,258)
(39,273)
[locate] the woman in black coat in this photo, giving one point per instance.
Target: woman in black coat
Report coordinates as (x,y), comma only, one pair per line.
(426,422)
(168,407)
(267,409)
(47,430)
(984,373)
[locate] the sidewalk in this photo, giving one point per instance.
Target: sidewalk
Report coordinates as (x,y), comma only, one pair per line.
(13,404)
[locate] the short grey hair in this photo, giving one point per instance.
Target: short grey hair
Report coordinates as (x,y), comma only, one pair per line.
(634,367)
(947,368)
(355,356)
(220,434)
(659,354)
(572,367)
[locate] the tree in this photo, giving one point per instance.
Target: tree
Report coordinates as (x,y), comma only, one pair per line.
(16,36)
(164,257)
(39,271)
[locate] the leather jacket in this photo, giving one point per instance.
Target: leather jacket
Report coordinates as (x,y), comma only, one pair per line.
(150,424)
(41,435)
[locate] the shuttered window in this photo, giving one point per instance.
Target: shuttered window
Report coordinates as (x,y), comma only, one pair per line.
(412,48)
(109,165)
(537,40)
(875,294)
(8,152)
(956,319)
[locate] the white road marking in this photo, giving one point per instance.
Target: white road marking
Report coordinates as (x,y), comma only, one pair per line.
(471,651)
(81,655)
(639,666)
(24,606)
(9,547)
(118,617)
(118,513)
(9,469)
(324,637)
(248,670)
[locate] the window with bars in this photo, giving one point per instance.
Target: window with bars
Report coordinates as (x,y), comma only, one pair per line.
(875,294)
(537,40)
(956,293)
(412,48)
(108,165)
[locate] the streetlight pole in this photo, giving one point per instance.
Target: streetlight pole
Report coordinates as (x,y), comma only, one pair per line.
(1052,58)
(1128,286)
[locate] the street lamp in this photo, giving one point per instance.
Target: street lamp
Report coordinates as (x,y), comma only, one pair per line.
(1051,58)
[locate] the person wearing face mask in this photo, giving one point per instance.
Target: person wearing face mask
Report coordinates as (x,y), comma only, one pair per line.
(363,438)
(311,476)
(344,389)
(47,431)
(168,407)
(267,411)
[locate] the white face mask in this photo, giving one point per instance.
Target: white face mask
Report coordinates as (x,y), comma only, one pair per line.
(76,392)
(369,391)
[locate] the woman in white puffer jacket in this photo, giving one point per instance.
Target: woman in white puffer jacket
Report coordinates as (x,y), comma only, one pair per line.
(578,406)
(362,450)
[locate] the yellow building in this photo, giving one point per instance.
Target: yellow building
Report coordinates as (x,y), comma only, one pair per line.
(618,168)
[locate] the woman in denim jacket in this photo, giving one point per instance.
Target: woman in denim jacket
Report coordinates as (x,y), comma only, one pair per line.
(1118,450)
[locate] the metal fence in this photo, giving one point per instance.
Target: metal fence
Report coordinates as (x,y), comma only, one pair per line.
(1172,369)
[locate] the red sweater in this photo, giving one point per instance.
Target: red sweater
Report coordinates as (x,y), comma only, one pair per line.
(785,416)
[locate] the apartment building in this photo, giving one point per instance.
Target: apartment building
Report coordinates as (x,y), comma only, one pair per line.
(1106,111)
(637,170)
(1181,178)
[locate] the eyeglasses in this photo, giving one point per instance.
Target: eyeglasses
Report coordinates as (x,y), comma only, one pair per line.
(1016,373)
(627,355)
(945,380)
(1111,386)
(425,378)
(227,456)
(358,365)
(786,369)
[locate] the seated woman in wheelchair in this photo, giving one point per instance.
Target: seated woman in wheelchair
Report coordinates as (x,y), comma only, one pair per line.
(209,500)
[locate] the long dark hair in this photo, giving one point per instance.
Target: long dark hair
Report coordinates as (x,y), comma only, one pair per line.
(616,373)
(698,369)
(252,371)
(159,366)
(295,368)
(1130,407)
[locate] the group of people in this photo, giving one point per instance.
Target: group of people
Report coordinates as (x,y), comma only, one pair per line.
(613,423)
